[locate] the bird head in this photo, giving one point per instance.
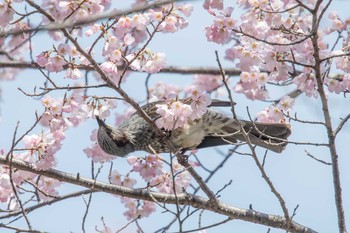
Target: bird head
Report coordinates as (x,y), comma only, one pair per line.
(112,140)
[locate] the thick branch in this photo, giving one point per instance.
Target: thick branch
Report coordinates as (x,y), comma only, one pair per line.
(327,117)
(168,69)
(183,198)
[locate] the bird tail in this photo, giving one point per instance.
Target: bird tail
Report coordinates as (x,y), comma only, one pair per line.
(271,136)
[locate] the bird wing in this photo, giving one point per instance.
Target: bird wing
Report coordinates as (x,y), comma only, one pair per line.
(220,103)
(151,109)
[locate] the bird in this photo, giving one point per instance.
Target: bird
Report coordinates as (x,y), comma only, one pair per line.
(212,129)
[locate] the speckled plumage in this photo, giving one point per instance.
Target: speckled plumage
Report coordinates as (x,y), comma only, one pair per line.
(213,129)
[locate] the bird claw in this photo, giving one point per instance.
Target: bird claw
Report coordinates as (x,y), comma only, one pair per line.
(182,158)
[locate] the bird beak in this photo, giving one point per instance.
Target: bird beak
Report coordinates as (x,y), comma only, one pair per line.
(100,122)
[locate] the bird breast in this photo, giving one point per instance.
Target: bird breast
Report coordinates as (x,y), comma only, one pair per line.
(189,136)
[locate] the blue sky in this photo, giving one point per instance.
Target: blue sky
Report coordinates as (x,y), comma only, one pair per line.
(299,179)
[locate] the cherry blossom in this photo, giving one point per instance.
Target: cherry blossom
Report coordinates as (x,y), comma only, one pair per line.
(276,113)
(95,152)
(5,187)
(111,69)
(137,209)
(164,91)
(306,83)
(200,103)
(48,188)
(252,85)
(148,167)
(73,73)
(207,82)
(6,14)
(215,4)
(147,61)
(177,113)
(116,178)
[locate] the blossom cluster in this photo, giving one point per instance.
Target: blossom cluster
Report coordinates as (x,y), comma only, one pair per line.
(95,152)
(150,168)
(176,113)
(276,113)
(252,85)
(127,32)
(40,149)
(137,209)
(147,61)
(72,110)
(207,83)
(269,38)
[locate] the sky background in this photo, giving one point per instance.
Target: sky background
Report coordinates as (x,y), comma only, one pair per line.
(300,180)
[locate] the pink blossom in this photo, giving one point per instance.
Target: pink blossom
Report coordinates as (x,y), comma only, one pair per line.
(148,167)
(261,79)
(167,117)
(48,188)
(342,62)
(136,210)
(200,103)
(43,58)
(147,61)
(252,85)
(55,64)
(93,29)
(163,91)
(334,85)
(137,63)
(230,54)
(275,113)
(6,14)
(115,178)
(155,15)
(286,103)
(207,82)
(112,43)
(156,62)
(5,187)
(182,113)
(124,22)
(129,182)
(164,182)
(73,73)
(220,35)
(306,82)
(128,39)
(214,4)
(346,82)
(139,21)
(186,9)
(63,49)
(111,70)
(115,55)
(337,25)
(95,152)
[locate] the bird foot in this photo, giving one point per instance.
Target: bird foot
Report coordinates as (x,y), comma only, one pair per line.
(182,158)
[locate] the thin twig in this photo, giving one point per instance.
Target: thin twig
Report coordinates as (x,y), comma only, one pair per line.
(318,160)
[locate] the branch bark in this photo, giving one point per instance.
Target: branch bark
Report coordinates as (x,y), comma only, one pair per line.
(327,117)
(168,69)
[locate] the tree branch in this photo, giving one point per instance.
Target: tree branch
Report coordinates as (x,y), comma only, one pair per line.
(168,69)
(182,198)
